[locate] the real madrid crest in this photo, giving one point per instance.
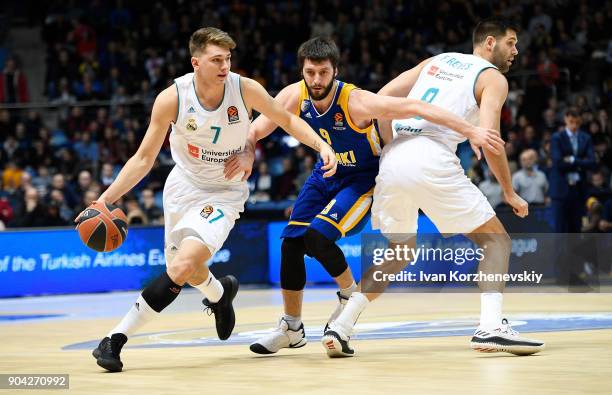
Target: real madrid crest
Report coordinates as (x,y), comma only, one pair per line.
(191,125)
(305,105)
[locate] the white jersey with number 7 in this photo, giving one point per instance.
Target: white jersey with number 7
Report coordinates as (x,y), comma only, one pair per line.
(203,139)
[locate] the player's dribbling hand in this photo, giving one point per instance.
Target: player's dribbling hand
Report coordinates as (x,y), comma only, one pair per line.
(329,160)
(487,139)
(100,200)
(518,204)
(237,163)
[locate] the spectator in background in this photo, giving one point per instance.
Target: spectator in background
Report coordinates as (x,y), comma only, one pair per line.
(86,149)
(598,187)
(262,191)
(11,177)
(6,211)
(572,155)
(284,187)
(307,166)
(154,214)
(107,175)
(84,182)
(157,176)
(593,216)
(491,189)
(58,182)
(53,215)
(34,213)
(42,180)
(13,84)
(134,213)
(57,197)
(529,182)
(605,224)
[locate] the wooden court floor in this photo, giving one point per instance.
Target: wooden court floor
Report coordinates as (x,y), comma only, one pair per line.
(400,351)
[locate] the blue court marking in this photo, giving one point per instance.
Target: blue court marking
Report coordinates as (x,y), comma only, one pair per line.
(18,317)
(198,337)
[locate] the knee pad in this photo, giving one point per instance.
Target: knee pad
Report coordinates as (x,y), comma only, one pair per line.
(293,269)
(325,251)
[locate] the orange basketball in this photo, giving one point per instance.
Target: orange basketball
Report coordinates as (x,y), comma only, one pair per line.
(102,227)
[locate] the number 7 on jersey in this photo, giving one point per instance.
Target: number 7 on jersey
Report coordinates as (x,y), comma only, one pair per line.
(217,131)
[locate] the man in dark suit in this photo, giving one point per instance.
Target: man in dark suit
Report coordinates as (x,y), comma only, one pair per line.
(572,155)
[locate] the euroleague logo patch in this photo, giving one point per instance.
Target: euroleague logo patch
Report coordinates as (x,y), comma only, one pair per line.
(338,118)
(232,114)
(206,211)
(433,70)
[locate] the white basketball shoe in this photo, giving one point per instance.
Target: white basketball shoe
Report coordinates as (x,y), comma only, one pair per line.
(342,300)
(281,337)
(504,339)
(335,341)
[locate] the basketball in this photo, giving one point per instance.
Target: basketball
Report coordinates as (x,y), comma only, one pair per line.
(102,227)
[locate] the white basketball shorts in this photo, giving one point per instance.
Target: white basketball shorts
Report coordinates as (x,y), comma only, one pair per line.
(420,173)
(206,214)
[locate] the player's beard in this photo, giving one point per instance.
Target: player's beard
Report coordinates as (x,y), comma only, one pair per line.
(500,60)
(323,94)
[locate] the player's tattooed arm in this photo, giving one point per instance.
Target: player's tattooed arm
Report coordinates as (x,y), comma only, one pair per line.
(400,86)
(260,128)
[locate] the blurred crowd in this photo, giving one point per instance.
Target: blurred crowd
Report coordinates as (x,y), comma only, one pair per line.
(124,53)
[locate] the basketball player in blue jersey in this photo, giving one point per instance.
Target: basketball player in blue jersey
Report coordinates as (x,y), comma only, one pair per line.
(472,86)
(209,114)
(328,209)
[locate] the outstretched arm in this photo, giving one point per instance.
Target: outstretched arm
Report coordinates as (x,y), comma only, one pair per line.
(164,112)
(400,86)
(362,102)
(257,97)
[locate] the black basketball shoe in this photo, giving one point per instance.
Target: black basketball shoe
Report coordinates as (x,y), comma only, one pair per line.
(225,318)
(107,352)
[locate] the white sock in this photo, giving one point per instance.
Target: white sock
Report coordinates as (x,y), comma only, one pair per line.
(139,314)
(347,292)
(211,288)
(347,319)
(491,309)
(293,322)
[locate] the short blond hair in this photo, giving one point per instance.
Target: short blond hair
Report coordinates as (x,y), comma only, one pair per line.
(209,35)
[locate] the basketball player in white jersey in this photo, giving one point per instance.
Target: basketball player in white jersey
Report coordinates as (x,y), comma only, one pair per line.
(209,112)
(419,170)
